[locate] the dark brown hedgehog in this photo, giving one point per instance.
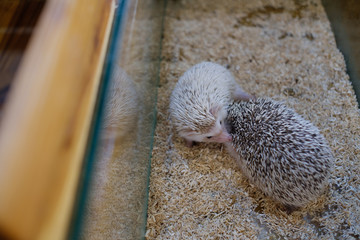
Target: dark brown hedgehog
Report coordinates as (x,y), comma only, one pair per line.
(281,153)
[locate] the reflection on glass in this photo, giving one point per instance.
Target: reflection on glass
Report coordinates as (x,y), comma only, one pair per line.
(116,202)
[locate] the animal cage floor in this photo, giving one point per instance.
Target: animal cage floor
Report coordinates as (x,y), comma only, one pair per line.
(280,49)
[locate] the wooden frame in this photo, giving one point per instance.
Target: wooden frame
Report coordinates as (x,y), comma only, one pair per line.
(47,117)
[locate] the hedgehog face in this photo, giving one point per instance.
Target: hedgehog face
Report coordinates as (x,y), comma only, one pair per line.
(217,133)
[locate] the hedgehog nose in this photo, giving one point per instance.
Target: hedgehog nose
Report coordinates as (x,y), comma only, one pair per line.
(224,137)
(229,138)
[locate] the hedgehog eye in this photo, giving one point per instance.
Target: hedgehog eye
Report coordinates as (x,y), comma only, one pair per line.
(209,137)
(220,122)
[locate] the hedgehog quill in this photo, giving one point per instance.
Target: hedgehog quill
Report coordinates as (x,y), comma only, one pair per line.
(198,104)
(281,153)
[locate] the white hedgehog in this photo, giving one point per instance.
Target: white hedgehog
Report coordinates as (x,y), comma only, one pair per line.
(199,100)
(121,109)
(281,153)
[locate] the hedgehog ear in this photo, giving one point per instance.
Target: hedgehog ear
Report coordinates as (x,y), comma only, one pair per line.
(214,110)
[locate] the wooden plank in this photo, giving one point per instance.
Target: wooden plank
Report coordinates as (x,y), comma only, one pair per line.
(46,120)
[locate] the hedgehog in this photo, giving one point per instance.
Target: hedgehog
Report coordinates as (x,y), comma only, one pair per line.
(280,152)
(121,110)
(199,100)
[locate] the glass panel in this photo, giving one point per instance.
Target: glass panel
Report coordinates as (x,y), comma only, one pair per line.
(344,16)
(113,202)
(120,150)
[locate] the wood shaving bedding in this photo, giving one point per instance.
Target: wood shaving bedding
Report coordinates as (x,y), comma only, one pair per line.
(280,49)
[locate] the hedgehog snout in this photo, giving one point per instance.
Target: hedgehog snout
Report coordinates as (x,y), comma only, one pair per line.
(222,137)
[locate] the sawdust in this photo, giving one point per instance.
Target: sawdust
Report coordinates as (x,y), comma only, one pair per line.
(280,49)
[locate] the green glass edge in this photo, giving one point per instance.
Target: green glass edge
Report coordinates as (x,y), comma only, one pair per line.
(341,39)
(157,82)
(94,132)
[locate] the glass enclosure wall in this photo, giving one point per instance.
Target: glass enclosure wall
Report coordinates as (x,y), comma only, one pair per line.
(344,16)
(113,205)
